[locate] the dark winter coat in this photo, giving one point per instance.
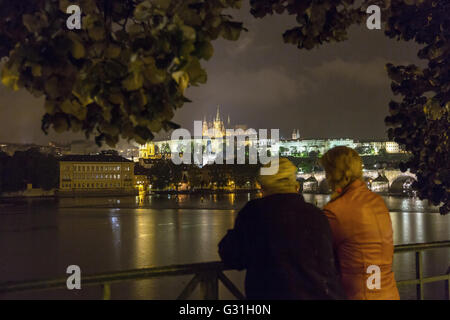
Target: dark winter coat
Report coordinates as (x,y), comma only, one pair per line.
(286,246)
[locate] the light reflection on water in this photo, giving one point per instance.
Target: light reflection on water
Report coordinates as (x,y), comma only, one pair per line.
(39,239)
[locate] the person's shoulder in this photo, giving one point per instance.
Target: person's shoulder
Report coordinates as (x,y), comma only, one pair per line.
(282,200)
(250,207)
(334,203)
(312,208)
(376,201)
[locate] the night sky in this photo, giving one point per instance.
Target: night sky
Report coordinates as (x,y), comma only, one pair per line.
(338,90)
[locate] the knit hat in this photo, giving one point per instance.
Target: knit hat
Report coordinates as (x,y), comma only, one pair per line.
(284,181)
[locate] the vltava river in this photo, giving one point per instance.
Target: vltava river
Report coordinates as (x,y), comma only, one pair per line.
(40,238)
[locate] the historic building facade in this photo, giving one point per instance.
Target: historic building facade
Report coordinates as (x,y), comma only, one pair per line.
(91,173)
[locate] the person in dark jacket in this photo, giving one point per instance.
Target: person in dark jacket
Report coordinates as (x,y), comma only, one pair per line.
(284,243)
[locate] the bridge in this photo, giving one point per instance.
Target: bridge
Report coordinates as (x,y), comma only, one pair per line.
(384,181)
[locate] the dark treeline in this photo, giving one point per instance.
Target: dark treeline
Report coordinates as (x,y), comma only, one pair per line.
(31,166)
(164,174)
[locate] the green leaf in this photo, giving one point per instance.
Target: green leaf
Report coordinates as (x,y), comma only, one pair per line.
(52,88)
(231,30)
(10,78)
(133,82)
(78,51)
(143,11)
(205,50)
(113,51)
(195,71)
(182,79)
(188,33)
(60,124)
(97,33)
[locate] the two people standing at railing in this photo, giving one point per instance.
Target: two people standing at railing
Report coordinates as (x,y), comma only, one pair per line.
(284,243)
(292,251)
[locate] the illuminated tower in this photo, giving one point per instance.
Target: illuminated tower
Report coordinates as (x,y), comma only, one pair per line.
(204,127)
(218,114)
(219,128)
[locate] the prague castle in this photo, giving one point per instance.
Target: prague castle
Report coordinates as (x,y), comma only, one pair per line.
(215,128)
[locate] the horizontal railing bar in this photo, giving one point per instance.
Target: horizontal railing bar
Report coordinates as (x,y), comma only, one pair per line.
(424,280)
(421,246)
(120,276)
(173,270)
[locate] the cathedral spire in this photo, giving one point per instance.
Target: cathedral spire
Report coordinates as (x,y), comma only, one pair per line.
(218,114)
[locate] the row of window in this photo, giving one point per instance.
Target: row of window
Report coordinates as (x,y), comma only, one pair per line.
(92,168)
(91,176)
(95,185)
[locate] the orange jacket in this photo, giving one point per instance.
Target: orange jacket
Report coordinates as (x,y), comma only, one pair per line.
(362,236)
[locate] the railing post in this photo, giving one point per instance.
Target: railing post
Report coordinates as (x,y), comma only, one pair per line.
(447,285)
(230,286)
(190,287)
(419,275)
(209,285)
(106,288)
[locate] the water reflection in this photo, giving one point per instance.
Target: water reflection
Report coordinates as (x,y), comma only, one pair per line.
(109,234)
(140,199)
(232,197)
(406,227)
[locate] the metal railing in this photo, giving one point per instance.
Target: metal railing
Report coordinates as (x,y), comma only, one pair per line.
(208,275)
(420,280)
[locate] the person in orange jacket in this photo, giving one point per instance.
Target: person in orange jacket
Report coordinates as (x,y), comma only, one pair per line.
(361,227)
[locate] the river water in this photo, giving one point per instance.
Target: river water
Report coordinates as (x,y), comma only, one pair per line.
(41,238)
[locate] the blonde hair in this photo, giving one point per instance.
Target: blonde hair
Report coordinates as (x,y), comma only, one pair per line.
(342,165)
(284,181)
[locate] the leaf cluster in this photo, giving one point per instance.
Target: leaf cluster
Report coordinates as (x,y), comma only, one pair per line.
(124,73)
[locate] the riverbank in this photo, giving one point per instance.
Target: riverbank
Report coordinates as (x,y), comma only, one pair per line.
(29,193)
